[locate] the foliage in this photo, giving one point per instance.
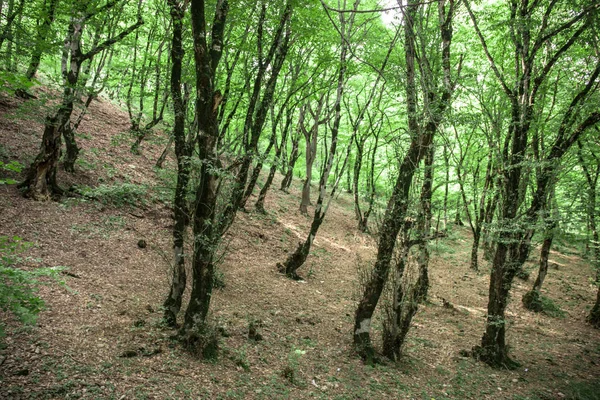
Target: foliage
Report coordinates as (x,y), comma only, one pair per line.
(534,301)
(18,287)
(291,370)
(12,166)
(12,82)
(118,195)
(584,390)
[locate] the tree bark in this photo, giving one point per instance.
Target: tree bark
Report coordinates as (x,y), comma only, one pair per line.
(206,60)
(172,303)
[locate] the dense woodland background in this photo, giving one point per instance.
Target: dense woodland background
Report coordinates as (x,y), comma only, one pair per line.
(405,125)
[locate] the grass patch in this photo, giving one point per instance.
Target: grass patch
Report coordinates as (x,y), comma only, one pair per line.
(551,309)
(583,390)
(118,195)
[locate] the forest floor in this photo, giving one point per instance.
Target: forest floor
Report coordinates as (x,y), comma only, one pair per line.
(101,334)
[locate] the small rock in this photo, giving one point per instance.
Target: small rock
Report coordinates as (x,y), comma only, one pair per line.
(223,331)
(22,372)
(129,354)
(253,332)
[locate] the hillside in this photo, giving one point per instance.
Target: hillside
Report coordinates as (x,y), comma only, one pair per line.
(101,334)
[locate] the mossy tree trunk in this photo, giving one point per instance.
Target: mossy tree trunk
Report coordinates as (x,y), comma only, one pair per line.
(590,163)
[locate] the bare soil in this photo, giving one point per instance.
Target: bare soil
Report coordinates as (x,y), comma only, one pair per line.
(101,335)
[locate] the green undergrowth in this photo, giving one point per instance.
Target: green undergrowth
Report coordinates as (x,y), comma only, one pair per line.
(18,287)
(119,194)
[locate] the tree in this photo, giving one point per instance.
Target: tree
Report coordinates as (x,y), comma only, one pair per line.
(438,94)
(531,71)
(206,61)
(591,169)
(297,259)
(183,153)
(41,183)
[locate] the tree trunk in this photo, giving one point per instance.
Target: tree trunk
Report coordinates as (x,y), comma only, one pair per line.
(531,299)
(311,138)
(260,203)
(206,235)
(286,182)
(393,221)
(421,140)
(594,317)
(424,224)
(475,248)
(72,148)
(172,303)
(40,183)
(493,348)
(45,165)
(258,108)
(297,259)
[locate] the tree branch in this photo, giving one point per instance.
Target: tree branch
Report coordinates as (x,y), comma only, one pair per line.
(109,42)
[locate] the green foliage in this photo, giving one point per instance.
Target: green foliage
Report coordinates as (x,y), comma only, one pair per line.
(118,195)
(218,279)
(551,309)
(291,370)
(12,166)
(18,288)
(11,82)
(533,301)
(589,390)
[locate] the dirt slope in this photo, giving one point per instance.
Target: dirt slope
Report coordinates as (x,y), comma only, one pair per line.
(110,305)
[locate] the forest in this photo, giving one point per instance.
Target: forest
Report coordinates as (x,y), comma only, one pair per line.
(300,199)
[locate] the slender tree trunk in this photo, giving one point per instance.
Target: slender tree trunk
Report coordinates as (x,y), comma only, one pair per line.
(260,203)
(424,225)
(297,259)
(258,108)
(360,145)
(421,140)
(163,155)
(41,183)
(172,303)
(311,138)
(592,176)
(294,155)
(72,148)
